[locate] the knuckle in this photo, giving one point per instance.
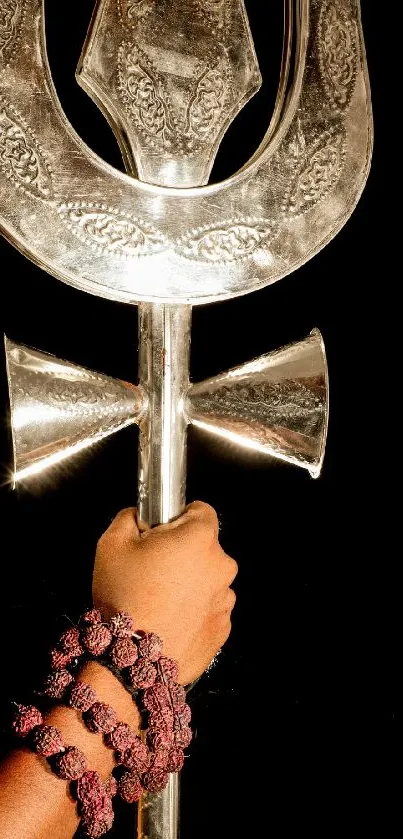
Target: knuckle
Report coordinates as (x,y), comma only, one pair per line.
(121,518)
(194,531)
(102,540)
(225,632)
(232,568)
(125,515)
(206,512)
(199,534)
(231,599)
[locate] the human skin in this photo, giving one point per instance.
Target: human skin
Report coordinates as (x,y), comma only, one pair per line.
(174,580)
(178,586)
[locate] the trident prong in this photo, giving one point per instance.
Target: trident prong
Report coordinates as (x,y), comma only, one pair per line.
(170,76)
(173,85)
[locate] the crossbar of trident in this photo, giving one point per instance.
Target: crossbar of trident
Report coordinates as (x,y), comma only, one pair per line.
(170,76)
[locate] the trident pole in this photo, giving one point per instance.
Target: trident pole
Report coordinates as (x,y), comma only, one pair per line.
(164,345)
(164,329)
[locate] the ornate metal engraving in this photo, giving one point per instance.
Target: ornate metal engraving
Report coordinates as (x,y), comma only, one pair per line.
(320,170)
(181,77)
(234,240)
(11,19)
(211,101)
(134,11)
(304,166)
(266,404)
(146,98)
(276,404)
(213,12)
(58,409)
(147,101)
(21,158)
(338,50)
(107,230)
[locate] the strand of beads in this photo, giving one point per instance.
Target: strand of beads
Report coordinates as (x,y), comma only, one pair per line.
(145,762)
(137,658)
(70,764)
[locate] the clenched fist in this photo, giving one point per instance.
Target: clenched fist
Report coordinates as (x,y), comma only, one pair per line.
(173,579)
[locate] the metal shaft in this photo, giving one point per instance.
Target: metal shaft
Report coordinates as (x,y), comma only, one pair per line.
(164,344)
(177,152)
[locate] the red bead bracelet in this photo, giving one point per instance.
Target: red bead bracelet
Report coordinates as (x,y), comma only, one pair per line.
(137,658)
(145,763)
(70,764)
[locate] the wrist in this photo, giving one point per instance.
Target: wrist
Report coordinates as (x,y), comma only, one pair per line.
(109,690)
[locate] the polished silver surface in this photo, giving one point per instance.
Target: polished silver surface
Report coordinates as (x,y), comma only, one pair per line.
(181,73)
(105,232)
(164,344)
(277,404)
(158,814)
(59,409)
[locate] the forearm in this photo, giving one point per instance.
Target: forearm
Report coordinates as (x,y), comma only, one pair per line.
(34,803)
(176,580)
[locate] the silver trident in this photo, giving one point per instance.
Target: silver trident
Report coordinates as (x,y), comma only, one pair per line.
(170,76)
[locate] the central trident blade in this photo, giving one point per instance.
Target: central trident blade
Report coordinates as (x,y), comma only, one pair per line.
(170,83)
(169,88)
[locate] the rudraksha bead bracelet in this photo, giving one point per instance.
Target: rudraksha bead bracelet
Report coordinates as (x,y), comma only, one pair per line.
(144,762)
(137,659)
(94,798)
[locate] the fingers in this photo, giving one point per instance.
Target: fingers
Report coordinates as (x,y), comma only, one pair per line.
(199,510)
(224,603)
(125,526)
(197,515)
(142,525)
(196,528)
(231,569)
(223,628)
(230,601)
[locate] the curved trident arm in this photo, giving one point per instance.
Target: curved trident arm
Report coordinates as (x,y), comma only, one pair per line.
(104,232)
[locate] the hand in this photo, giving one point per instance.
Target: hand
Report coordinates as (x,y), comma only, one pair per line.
(173,579)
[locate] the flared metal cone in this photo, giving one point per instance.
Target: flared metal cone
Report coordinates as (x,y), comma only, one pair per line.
(276,404)
(59,409)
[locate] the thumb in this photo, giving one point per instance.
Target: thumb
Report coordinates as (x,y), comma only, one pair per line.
(126,526)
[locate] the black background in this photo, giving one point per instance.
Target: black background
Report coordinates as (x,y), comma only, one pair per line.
(295,726)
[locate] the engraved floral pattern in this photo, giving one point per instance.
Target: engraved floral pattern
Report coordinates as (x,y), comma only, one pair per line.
(109,230)
(337,53)
(210,101)
(289,403)
(231,241)
(212,12)
(321,167)
(69,395)
(212,5)
(11,18)
(147,102)
(135,11)
(145,97)
(21,158)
